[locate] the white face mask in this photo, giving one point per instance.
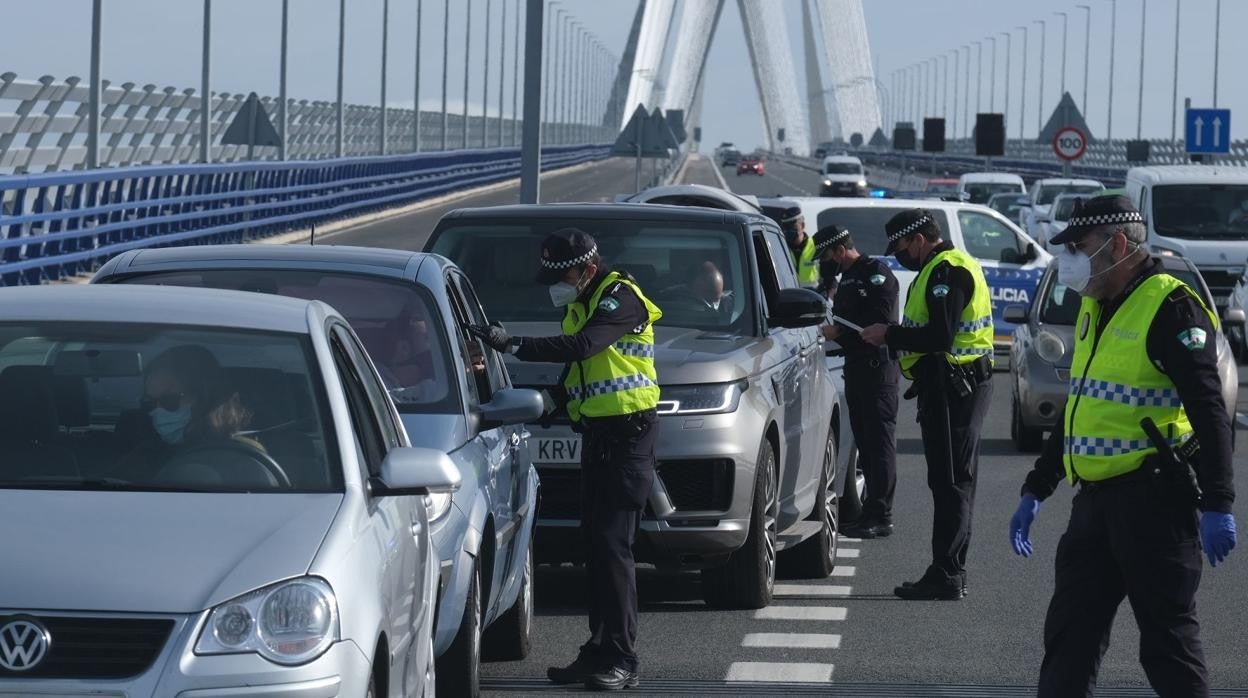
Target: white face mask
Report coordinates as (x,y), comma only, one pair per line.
(563,293)
(1074,269)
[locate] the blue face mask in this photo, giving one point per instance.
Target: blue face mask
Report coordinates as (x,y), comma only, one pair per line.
(171,425)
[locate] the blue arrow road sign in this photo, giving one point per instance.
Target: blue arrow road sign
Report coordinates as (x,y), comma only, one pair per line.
(1208,130)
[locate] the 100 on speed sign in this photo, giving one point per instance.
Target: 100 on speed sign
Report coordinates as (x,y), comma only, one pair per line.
(1070,143)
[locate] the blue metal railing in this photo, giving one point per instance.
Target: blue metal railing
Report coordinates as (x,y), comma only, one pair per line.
(62,224)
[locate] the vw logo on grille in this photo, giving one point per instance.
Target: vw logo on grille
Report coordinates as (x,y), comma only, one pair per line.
(24,643)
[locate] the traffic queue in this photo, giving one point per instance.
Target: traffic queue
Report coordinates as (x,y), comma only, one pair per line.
(306,465)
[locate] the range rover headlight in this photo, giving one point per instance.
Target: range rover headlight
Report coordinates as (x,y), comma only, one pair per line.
(291,622)
(1050,347)
(713,398)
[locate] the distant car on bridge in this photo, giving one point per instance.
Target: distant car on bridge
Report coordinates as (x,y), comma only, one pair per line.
(979,187)
(1008,204)
(751,164)
(842,175)
(729,157)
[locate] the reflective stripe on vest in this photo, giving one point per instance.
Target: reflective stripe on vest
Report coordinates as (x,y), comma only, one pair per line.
(1114,385)
(806,264)
(620,379)
(974,331)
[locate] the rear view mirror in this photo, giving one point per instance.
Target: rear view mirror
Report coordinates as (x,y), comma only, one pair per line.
(1015,314)
(512,406)
(1234,316)
(411,471)
(799,307)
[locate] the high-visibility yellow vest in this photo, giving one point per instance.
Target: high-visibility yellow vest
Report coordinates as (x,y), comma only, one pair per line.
(620,379)
(1114,385)
(973,338)
(807,265)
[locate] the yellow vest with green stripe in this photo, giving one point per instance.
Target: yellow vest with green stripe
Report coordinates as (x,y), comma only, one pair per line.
(621,378)
(973,338)
(1113,385)
(807,265)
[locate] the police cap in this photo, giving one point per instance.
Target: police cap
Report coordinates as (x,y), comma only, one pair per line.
(907,223)
(830,236)
(1096,212)
(562,250)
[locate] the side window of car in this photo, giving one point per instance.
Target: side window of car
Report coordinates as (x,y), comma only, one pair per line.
(766,271)
(785,272)
(364,424)
(379,399)
(495,368)
(475,378)
(989,239)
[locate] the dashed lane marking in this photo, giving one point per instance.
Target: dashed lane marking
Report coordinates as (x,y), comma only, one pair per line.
(844,539)
(780,671)
(847,552)
(844,571)
(814,591)
(801,641)
(801,613)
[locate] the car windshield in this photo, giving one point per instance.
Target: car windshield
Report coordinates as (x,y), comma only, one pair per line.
(1064,206)
(397,322)
(1007,206)
(866,224)
(842,168)
(1201,211)
(672,263)
(1060,305)
(1049,192)
(120,406)
(980,192)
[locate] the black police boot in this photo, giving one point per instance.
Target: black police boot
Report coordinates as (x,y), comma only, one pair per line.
(578,671)
(964,591)
(617,678)
(933,586)
(868,528)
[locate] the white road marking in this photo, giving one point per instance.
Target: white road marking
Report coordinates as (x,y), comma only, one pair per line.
(801,613)
(818,591)
(843,539)
(801,641)
(844,570)
(780,671)
(847,552)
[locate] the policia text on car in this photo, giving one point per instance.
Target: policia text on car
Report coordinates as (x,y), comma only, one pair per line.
(1145,351)
(945,343)
(610,392)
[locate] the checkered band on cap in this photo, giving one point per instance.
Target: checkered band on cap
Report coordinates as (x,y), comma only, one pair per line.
(1106,219)
(821,246)
(568,264)
(910,228)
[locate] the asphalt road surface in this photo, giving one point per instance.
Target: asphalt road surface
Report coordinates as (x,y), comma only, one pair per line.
(848,635)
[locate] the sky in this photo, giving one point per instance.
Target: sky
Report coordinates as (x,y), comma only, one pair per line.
(158,41)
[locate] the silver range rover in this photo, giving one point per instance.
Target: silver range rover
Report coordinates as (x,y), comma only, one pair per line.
(747,465)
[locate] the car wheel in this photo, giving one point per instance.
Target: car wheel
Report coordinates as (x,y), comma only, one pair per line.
(459,668)
(815,557)
(1026,439)
(748,578)
(511,636)
(850,504)
(372,685)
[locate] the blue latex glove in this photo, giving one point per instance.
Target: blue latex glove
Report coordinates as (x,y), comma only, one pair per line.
(1020,525)
(1217,535)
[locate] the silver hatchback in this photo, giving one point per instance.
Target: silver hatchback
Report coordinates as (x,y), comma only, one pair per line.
(162,538)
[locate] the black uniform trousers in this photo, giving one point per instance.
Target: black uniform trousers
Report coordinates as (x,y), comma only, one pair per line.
(871,396)
(952,484)
(1125,539)
(617,473)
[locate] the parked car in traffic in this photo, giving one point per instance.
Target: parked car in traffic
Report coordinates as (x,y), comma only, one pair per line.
(729,157)
(1044,343)
(979,187)
(453,395)
(942,188)
(751,164)
(842,175)
(1011,260)
(168,532)
(1009,204)
(748,417)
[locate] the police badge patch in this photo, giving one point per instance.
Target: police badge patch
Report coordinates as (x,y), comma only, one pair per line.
(877,279)
(940,290)
(608,305)
(1193,338)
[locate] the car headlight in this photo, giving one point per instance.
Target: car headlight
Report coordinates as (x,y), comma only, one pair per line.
(827,182)
(862,183)
(291,622)
(1050,347)
(716,398)
(437,504)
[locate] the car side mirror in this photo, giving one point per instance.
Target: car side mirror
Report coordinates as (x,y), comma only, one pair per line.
(409,471)
(1234,316)
(1015,314)
(1031,254)
(511,406)
(799,307)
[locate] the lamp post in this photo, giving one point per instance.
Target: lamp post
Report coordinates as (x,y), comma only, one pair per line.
(467,55)
(385,27)
(957,65)
(979,75)
(1174,97)
(339,148)
(1065,19)
(446,37)
(1009,40)
(515,80)
(1139,108)
(485,83)
(1217,47)
(1022,97)
(944,100)
(502,67)
(992,87)
(1044,30)
(416,85)
(1087,44)
(1113,36)
(966,93)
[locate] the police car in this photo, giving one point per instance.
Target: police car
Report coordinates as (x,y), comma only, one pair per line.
(1012,261)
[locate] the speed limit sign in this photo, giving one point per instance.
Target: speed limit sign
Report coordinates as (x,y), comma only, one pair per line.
(1070,143)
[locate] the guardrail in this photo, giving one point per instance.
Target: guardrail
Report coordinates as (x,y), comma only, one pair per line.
(60,224)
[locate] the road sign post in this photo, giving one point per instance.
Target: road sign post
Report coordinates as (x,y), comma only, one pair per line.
(1208,131)
(1069,144)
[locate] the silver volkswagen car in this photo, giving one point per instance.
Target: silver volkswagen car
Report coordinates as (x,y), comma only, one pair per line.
(747,447)
(453,395)
(164,536)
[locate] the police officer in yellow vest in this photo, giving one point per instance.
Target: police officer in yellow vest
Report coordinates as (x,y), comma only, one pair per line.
(610,392)
(1145,346)
(945,344)
(801,245)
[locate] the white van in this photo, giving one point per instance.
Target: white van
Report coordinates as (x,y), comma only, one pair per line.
(978,187)
(1199,212)
(842,175)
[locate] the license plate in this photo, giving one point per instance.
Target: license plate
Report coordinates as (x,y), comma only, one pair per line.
(559,450)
